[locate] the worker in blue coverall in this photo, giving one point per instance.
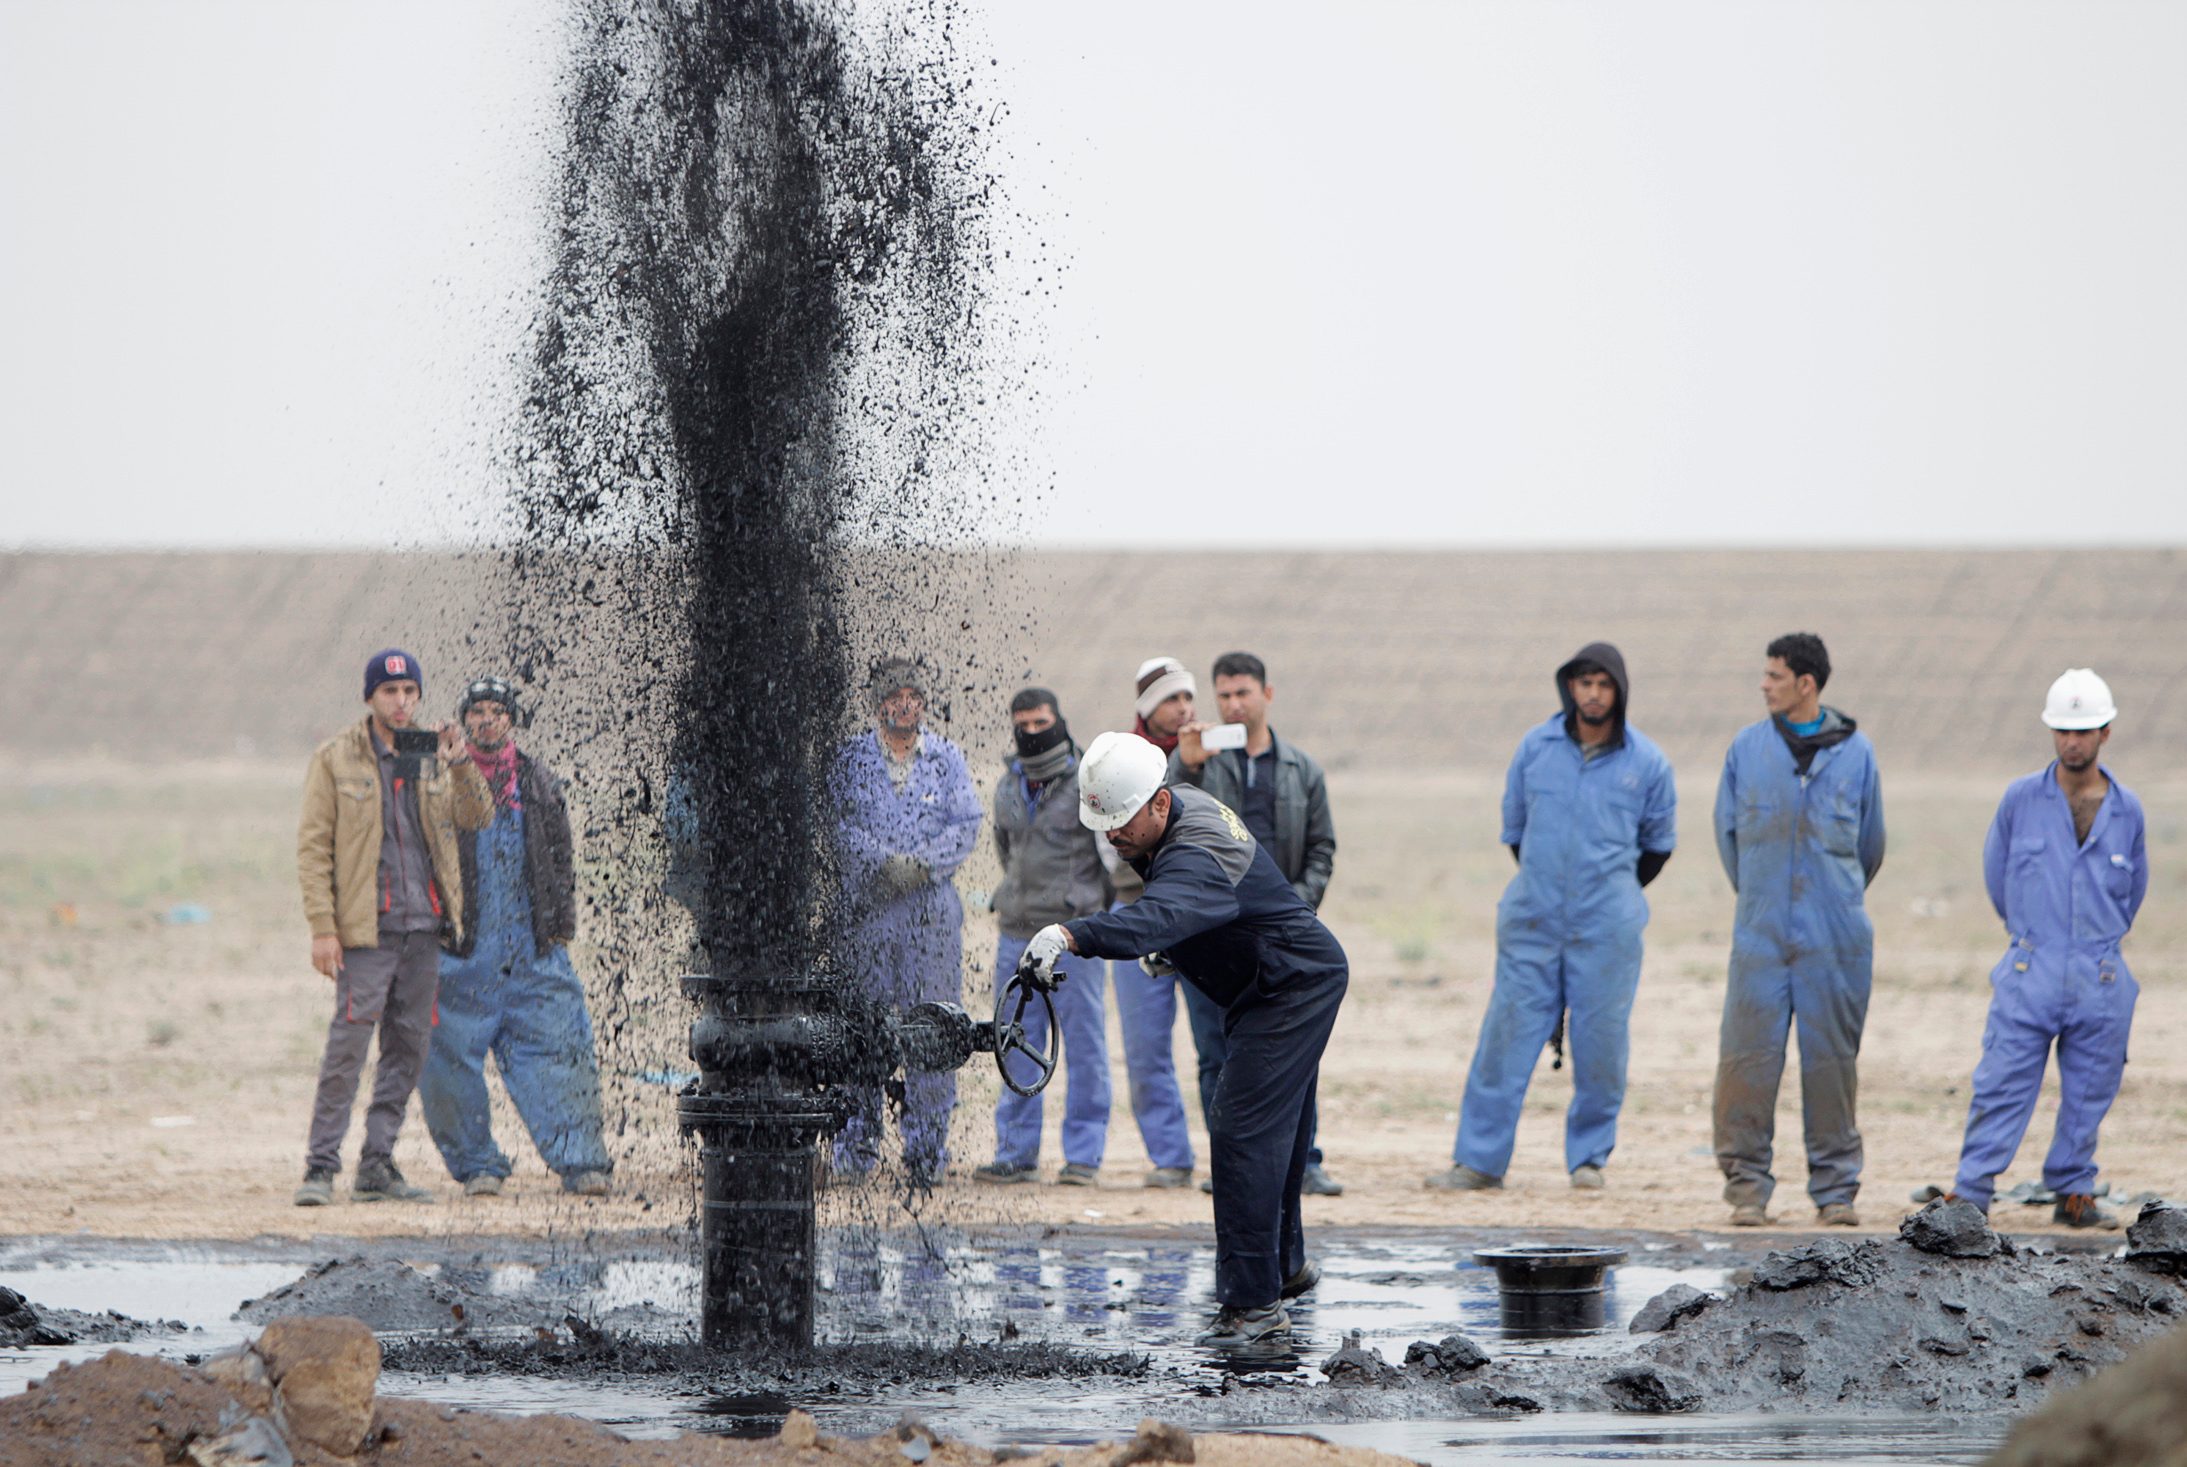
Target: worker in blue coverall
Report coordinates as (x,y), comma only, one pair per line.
(507,987)
(1218,911)
(1799,824)
(907,818)
(2067,870)
(1590,814)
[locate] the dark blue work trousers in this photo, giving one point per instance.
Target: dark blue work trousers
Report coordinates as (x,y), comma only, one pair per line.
(1260,1130)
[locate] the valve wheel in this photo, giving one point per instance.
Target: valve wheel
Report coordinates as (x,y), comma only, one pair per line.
(1010,1037)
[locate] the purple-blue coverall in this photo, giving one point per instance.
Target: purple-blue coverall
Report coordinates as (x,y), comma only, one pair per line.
(903,947)
(2066,904)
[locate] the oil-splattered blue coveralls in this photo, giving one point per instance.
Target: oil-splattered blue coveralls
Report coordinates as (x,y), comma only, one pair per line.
(1800,850)
(904,946)
(2066,903)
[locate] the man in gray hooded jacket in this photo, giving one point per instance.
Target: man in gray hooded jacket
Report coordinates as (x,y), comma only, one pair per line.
(1051,872)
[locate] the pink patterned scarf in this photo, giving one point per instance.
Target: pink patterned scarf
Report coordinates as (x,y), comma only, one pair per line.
(499,767)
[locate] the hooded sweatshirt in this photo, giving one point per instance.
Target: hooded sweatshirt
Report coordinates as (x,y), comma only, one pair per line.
(1836,729)
(1612,662)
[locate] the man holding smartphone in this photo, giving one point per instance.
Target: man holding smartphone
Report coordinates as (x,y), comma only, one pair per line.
(376,858)
(1280,793)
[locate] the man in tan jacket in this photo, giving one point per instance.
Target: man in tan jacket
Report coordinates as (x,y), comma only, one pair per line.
(376,856)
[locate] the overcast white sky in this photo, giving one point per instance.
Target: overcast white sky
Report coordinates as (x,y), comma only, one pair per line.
(1361,273)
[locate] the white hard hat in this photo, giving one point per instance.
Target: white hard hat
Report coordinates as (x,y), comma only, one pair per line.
(1120,773)
(2079,699)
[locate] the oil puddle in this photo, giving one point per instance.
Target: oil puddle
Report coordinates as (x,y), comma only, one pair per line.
(1758,1440)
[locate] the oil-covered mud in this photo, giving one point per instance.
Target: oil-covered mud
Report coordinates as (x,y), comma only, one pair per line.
(386,1294)
(24,1323)
(1949,1317)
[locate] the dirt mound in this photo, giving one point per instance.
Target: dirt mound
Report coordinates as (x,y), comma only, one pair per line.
(384,1293)
(24,1323)
(307,1397)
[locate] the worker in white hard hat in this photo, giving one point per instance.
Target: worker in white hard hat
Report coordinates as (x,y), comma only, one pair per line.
(2067,870)
(1217,910)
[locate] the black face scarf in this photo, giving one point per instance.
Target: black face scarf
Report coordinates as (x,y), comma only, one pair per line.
(1047,753)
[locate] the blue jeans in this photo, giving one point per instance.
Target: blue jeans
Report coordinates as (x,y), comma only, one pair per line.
(1083,1018)
(1146,1010)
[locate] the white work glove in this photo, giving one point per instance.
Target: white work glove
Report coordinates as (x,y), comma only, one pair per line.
(1154,965)
(1038,966)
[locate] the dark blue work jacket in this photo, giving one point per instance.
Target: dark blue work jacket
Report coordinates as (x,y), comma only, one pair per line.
(1217,908)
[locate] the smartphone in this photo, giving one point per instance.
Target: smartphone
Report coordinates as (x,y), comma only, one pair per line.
(417,741)
(1223,736)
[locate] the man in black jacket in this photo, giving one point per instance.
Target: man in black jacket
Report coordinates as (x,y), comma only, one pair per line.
(506,984)
(1278,790)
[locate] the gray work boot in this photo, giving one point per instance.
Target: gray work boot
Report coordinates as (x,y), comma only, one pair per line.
(1316,1182)
(1266,1330)
(1462,1178)
(1303,1281)
(1169,1178)
(318,1188)
(378,1181)
(1002,1174)
(1078,1174)
(1587,1179)
(587,1184)
(485,1184)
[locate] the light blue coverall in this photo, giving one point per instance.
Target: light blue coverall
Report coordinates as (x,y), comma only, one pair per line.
(1567,936)
(903,947)
(1800,852)
(2066,904)
(527,1011)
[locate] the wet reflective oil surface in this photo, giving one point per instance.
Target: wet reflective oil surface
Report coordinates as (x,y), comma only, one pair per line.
(1101,1293)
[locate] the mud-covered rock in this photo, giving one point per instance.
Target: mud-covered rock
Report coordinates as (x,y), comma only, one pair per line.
(1952,1228)
(2157,1240)
(324,1374)
(1359,1365)
(1155,1441)
(1451,1355)
(24,1323)
(1651,1391)
(1665,1310)
(2132,1415)
(1828,1262)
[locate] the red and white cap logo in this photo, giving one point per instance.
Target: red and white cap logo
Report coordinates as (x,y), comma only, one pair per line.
(397,667)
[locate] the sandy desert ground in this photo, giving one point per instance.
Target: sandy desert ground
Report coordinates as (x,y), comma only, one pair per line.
(157,1071)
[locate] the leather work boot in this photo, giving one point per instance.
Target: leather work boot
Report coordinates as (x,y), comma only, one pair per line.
(1266,1330)
(1169,1178)
(318,1188)
(1002,1174)
(1837,1215)
(1587,1179)
(587,1184)
(2080,1210)
(1316,1182)
(1750,1215)
(1462,1178)
(1303,1281)
(485,1184)
(378,1181)
(1078,1174)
